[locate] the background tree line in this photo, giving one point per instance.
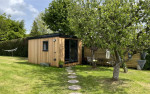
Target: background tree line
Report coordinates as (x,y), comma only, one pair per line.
(11,29)
(39,27)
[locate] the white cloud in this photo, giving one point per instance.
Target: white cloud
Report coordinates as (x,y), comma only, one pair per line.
(13,2)
(33,10)
(14,12)
(19,10)
(17,7)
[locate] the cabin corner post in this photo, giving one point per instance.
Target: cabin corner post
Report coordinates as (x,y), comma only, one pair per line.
(28,50)
(80,51)
(61,50)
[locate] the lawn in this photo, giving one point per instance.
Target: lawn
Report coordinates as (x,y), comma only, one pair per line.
(98,81)
(17,76)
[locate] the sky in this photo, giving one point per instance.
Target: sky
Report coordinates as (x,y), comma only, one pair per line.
(26,10)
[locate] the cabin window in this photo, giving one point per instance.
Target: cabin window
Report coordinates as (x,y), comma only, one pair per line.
(45,45)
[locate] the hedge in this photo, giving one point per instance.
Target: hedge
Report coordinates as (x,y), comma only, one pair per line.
(21,44)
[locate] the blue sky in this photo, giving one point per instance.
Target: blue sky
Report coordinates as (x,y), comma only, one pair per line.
(25,10)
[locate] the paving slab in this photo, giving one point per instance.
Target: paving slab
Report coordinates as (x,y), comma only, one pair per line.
(72,73)
(69,70)
(72,76)
(75,93)
(74,87)
(73,81)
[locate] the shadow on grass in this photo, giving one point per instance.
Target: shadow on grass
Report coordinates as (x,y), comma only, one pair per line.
(49,78)
(27,63)
(89,68)
(104,85)
(94,83)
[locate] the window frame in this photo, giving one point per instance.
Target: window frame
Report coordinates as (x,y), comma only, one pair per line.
(46,45)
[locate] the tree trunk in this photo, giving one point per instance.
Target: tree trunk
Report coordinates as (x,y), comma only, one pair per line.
(93,57)
(125,68)
(116,72)
(116,67)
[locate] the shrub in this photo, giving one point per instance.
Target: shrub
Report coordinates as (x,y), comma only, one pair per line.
(147,64)
(21,44)
(61,62)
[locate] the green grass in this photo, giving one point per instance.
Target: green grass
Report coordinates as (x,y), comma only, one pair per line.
(17,76)
(98,81)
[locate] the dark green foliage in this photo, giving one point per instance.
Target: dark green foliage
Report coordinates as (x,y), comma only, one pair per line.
(11,29)
(21,44)
(34,31)
(56,16)
(147,65)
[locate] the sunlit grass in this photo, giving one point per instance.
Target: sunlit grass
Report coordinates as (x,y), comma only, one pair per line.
(17,76)
(98,81)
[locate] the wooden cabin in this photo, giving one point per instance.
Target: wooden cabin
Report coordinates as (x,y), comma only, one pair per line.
(53,48)
(100,54)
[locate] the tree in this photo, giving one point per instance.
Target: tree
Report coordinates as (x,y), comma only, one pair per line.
(11,29)
(55,16)
(114,26)
(84,21)
(141,43)
(42,27)
(39,26)
(34,31)
(16,30)
(3,26)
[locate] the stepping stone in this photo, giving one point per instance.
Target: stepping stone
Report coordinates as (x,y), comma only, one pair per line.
(72,76)
(74,87)
(73,81)
(69,70)
(72,73)
(75,93)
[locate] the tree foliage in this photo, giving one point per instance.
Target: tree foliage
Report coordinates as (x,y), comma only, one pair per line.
(34,30)
(39,26)
(115,25)
(42,27)
(55,16)
(11,29)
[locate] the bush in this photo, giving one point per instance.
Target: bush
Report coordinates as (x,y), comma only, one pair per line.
(147,64)
(21,44)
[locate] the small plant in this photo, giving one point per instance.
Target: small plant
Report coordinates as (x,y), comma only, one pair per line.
(61,64)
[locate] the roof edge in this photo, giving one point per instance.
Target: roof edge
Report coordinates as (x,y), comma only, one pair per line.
(52,35)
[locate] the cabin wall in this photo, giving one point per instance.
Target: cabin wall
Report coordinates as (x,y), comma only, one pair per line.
(32,51)
(36,54)
(56,50)
(101,54)
(62,49)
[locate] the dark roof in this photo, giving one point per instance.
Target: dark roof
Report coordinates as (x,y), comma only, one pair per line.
(52,35)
